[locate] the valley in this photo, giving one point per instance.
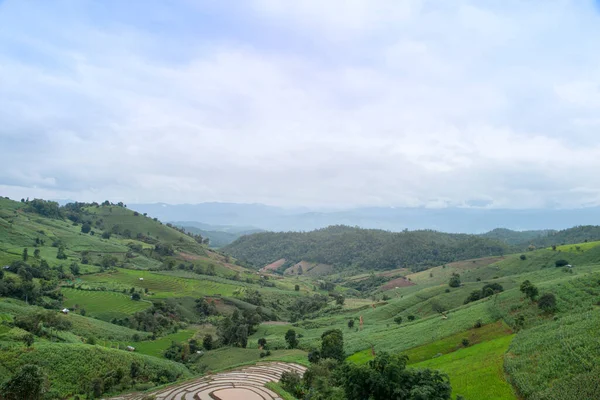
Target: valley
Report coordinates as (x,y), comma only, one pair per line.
(99,301)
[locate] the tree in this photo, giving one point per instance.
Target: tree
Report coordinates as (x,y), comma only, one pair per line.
(454,280)
(136,297)
(290,338)
(339,300)
(74,268)
(106,235)
(561,263)
(97,387)
(207,342)
(547,302)
(25,254)
(36,253)
(386,377)
(332,344)
(262,342)
(351,323)
(60,254)
(398,319)
(28,383)
(86,227)
(523,257)
(28,339)
(297,288)
(529,289)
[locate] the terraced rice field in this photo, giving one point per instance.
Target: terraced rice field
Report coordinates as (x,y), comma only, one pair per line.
(243,384)
(103,305)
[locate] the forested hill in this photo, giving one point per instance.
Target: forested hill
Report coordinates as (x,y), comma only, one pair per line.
(345,246)
(545,238)
(577,234)
(511,237)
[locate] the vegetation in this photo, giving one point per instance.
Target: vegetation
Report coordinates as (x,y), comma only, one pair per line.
(147,304)
(364,248)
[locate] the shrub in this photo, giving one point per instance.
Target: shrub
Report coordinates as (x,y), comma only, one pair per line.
(547,302)
(465,342)
(207,342)
(398,319)
(351,323)
(561,263)
(478,324)
(411,317)
(454,280)
(523,257)
(28,383)
(290,338)
(529,289)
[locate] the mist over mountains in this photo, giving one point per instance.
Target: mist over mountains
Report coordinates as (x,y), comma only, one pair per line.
(463,220)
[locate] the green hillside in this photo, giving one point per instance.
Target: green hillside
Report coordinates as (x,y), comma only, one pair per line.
(183,309)
(368,249)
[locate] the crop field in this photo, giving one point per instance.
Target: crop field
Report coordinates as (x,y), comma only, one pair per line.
(160,285)
(580,247)
(476,372)
(72,366)
(157,347)
(103,305)
(229,357)
(568,344)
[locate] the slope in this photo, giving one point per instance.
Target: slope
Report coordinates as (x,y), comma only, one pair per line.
(369,249)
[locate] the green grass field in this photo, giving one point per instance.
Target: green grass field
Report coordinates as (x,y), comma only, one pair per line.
(476,372)
(103,305)
(229,357)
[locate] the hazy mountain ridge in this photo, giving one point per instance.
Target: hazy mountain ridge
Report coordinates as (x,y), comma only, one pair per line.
(466,220)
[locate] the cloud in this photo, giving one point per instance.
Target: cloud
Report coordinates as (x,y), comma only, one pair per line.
(305,103)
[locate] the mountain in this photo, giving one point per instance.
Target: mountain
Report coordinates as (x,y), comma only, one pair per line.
(370,249)
(218,235)
(466,220)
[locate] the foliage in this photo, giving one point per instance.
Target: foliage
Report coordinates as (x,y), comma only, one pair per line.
(454,280)
(386,377)
(332,344)
(234,330)
(486,291)
(291,339)
(207,342)
(561,263)
(529,289)
(365,248)
(547,302)
(28,383)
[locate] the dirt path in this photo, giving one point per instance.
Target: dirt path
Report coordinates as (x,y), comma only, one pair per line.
(246,383)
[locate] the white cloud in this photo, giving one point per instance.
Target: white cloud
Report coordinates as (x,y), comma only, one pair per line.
(397,103)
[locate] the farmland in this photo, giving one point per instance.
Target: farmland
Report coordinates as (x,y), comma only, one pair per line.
(101,304)
(162,292)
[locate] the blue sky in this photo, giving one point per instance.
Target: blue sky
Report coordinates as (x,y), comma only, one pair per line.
(337,103)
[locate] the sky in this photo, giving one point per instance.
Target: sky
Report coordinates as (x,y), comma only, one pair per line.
(337,103)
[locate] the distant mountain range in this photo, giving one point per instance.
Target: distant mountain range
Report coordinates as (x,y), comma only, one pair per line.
(219,235)
(246,217)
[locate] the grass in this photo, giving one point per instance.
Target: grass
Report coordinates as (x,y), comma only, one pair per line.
(103,305)
(277,388)
(476,372)
(160,285)
(157,347)
(231,357)
(443,346)
(71,367)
